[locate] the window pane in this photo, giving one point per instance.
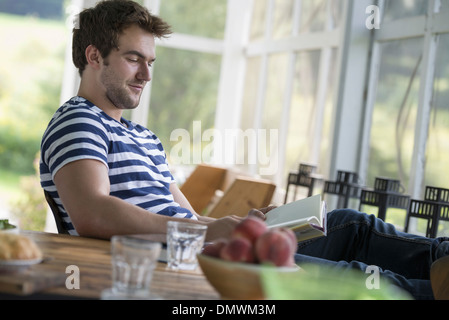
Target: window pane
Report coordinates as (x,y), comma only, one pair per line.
(271,120)
(313,16)
(394,116)
(326,134)
(437,156)
(336,12)
(321,15)
(250,94)
(444,6)
(247,121)
(283,18)
(205,18)
(302,112)
(184,90)
(257,28)
(274,96)
(398,9)
(266,142)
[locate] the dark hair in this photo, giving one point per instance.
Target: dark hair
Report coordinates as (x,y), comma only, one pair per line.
(102,25)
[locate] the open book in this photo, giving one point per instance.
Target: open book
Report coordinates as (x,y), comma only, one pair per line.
(306,217)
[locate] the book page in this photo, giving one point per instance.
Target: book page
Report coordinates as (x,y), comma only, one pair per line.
(308,231)
(298,212)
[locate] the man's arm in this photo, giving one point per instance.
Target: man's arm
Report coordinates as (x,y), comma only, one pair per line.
(83,187)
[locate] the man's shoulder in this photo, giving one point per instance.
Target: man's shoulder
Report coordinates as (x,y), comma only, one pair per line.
(78,106)
(82,112)
(77,115)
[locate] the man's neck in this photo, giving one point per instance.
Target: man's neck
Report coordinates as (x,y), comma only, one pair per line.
(101,102)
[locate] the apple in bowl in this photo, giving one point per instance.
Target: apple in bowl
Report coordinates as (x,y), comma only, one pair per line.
(234,266)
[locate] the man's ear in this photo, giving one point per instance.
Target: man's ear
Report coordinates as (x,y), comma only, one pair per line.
(93,56)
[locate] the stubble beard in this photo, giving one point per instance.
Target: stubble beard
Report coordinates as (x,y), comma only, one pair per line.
(118,92)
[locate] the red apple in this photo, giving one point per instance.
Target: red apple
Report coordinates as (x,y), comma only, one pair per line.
(274,247)
(214,248)
(250,228)
(238,250)
(292,238)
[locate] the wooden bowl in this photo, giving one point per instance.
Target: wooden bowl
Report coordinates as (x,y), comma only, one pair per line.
(236,281)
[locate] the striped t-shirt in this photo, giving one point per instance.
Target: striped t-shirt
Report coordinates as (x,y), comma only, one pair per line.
(134,156)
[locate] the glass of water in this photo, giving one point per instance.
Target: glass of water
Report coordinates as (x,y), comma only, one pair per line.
(133,262)
(184,241)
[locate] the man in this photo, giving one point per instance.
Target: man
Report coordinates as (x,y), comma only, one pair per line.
(110,176)
(93,159)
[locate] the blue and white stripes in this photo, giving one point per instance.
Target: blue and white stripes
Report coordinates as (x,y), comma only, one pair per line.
(134,156)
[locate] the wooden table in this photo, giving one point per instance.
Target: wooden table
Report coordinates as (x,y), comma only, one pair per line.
(93,259)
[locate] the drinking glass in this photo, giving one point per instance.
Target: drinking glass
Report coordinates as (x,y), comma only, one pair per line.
(184,241)
(133,262)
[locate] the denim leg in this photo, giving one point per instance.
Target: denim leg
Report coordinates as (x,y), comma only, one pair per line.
(354,236)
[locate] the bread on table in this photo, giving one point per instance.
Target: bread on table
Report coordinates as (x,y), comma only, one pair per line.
(18,247)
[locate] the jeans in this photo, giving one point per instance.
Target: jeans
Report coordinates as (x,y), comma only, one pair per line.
(356,240)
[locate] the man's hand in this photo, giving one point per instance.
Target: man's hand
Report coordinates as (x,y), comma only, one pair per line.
(260,213)
(221,228)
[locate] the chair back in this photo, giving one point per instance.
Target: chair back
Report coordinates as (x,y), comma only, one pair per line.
(200,186)
(243,195)
(55,210)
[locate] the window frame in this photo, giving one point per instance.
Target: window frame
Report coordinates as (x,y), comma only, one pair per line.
(429,27)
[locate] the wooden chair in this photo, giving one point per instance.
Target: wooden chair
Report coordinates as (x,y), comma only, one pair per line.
(201,185)
(56,214)
(243,195)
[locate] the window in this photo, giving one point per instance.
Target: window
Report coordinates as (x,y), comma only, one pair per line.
(400,9)
(184,90)
(292,54)
(409,115)
(395,110)
(286,88)
(437,156)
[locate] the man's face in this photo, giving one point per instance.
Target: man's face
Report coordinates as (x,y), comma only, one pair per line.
(127,70)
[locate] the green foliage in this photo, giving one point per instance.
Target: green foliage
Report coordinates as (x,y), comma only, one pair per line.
(30,86)
(17,148)
(205,18)
(185,89)
(5,225)
(31,208)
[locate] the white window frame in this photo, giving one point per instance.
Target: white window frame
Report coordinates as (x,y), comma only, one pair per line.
(429,27)
(325,42)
